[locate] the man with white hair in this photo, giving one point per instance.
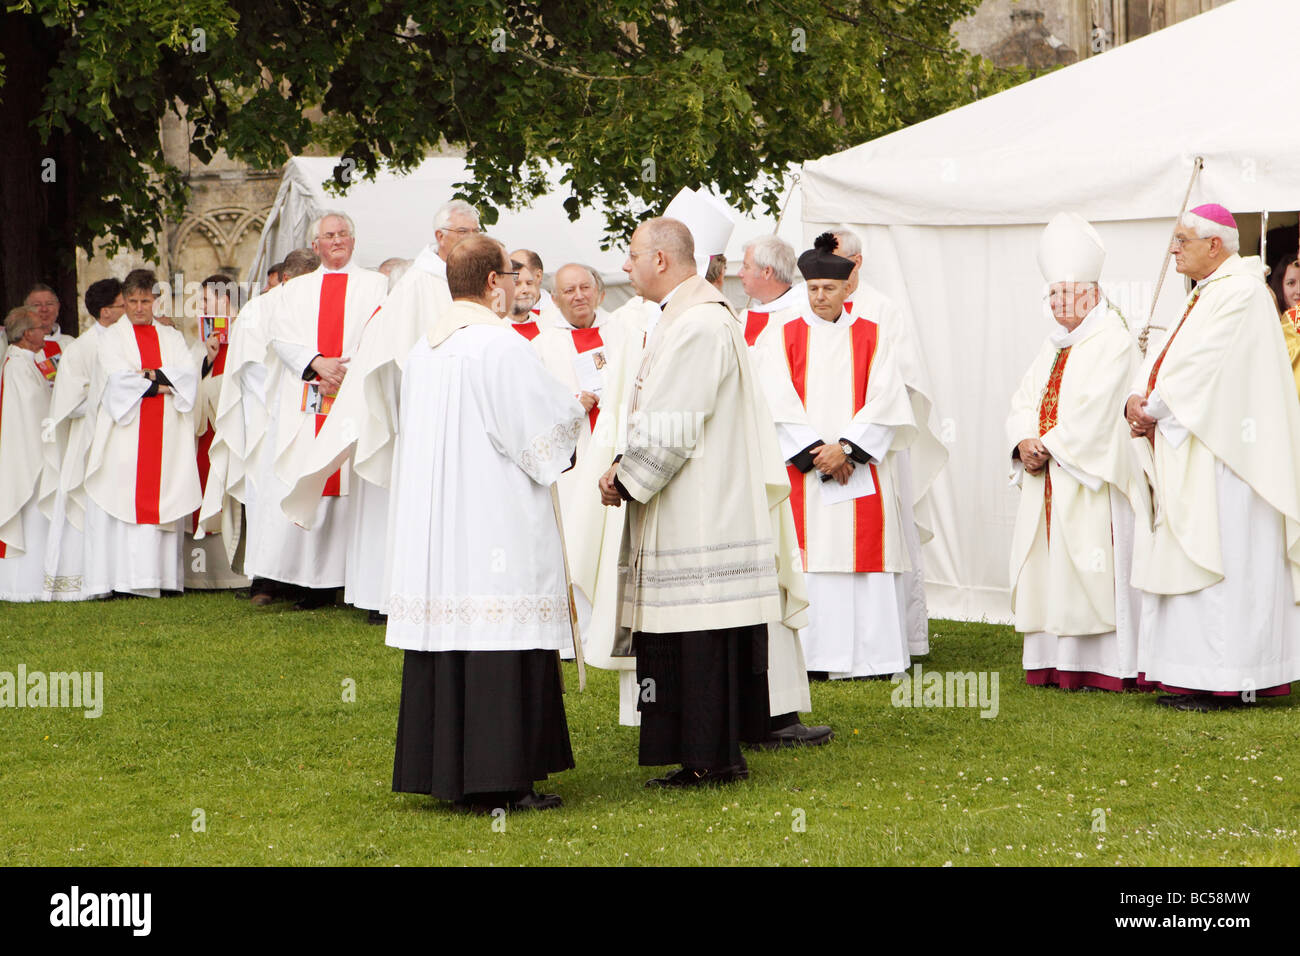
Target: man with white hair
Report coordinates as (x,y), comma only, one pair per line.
(45,305)
(361,429)
(313,333)
(1216,427)
(1071,553)
(699,593)
(916,467)
(24,402)
(767,275)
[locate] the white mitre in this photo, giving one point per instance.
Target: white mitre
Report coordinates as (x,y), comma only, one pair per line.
(708,219)
(1070,250)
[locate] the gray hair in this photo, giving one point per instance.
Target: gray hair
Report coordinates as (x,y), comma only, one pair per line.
(1208,229)
(776,254)
(331,214)
(847,242)
(442,218)
(672,238)
(19,322)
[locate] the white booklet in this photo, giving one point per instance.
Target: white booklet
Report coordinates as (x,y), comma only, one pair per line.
(588,367)
(859,485)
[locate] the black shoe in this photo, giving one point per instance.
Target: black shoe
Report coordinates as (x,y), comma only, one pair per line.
(316,598)
(699,777)
(537,801)
(818,675)
(1168,700)
(374,617)
(796,735)
(486,803)
(1205,703)
(875,677)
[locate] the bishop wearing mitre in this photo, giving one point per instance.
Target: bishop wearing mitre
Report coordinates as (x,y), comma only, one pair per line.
(1216,426)
(1071,552)
(841,411)
(313,333)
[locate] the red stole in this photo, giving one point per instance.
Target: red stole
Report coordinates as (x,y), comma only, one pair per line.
(204,445)
(868,512)
(528,330)
(148,456)
(584,340)
(48,359)
(1048,409)
(329,343)
(755,323)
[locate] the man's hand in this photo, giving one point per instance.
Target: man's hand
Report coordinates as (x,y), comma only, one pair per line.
(1140,424)
(1034,455)
(164,390)
(331,371)
(830,460)
(608,493)
(213,345)
(589,400)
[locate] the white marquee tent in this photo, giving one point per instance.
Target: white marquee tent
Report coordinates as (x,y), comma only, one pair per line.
(394,216)
(950,212)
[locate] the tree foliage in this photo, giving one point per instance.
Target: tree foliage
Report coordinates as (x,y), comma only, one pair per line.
(636,98)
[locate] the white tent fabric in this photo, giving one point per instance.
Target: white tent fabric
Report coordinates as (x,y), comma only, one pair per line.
(950,212)
(394,217)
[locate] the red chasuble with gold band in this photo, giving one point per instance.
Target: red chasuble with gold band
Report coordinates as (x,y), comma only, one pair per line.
(868,512)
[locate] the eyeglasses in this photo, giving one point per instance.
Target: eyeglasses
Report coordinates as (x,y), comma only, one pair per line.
(461,231)
(335,235)
(633,255)
(515,274)
(1180,241)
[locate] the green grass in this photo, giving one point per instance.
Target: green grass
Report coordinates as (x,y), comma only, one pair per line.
(213,705)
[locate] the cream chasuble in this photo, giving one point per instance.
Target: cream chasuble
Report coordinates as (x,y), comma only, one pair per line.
(1071,550)
(24,403)
(1218,614)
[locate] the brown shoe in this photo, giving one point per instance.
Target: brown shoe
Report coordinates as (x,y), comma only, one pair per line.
(261,600)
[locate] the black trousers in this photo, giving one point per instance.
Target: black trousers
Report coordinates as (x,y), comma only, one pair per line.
(702,693)
(479,722)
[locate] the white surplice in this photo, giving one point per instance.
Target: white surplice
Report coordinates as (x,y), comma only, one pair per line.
(485,431)
(24,404)
(857,616)
(67,445)
(1072,599)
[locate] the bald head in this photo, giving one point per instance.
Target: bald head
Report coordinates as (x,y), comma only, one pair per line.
(660,257)
(576,295)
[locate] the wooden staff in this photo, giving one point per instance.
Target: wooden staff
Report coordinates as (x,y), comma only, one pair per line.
(1197,163)
(578,656)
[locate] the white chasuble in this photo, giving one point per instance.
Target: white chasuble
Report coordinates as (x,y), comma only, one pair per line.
(1071,549)
(485,430)
(24,404)
(1226,449)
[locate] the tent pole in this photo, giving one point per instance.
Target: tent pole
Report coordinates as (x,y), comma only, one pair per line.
(1197,163)
(1263,240)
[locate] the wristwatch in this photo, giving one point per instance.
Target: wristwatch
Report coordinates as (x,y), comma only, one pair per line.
(847,448)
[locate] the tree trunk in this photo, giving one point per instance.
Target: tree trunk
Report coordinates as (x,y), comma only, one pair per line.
(37,180)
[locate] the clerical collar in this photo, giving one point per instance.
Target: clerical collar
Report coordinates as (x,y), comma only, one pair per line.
(663,304)
(328,271)
(1063,338)
(783,301)
(812,317)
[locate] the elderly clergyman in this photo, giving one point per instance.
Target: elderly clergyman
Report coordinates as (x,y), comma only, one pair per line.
(703,480)
(1071,553)
(1216,425)
(479,602)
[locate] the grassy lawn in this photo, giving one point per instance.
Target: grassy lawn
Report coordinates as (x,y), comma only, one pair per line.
(214,706)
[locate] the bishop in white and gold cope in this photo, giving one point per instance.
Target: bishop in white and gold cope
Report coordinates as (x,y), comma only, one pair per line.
(1215,423)
(1071,553)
